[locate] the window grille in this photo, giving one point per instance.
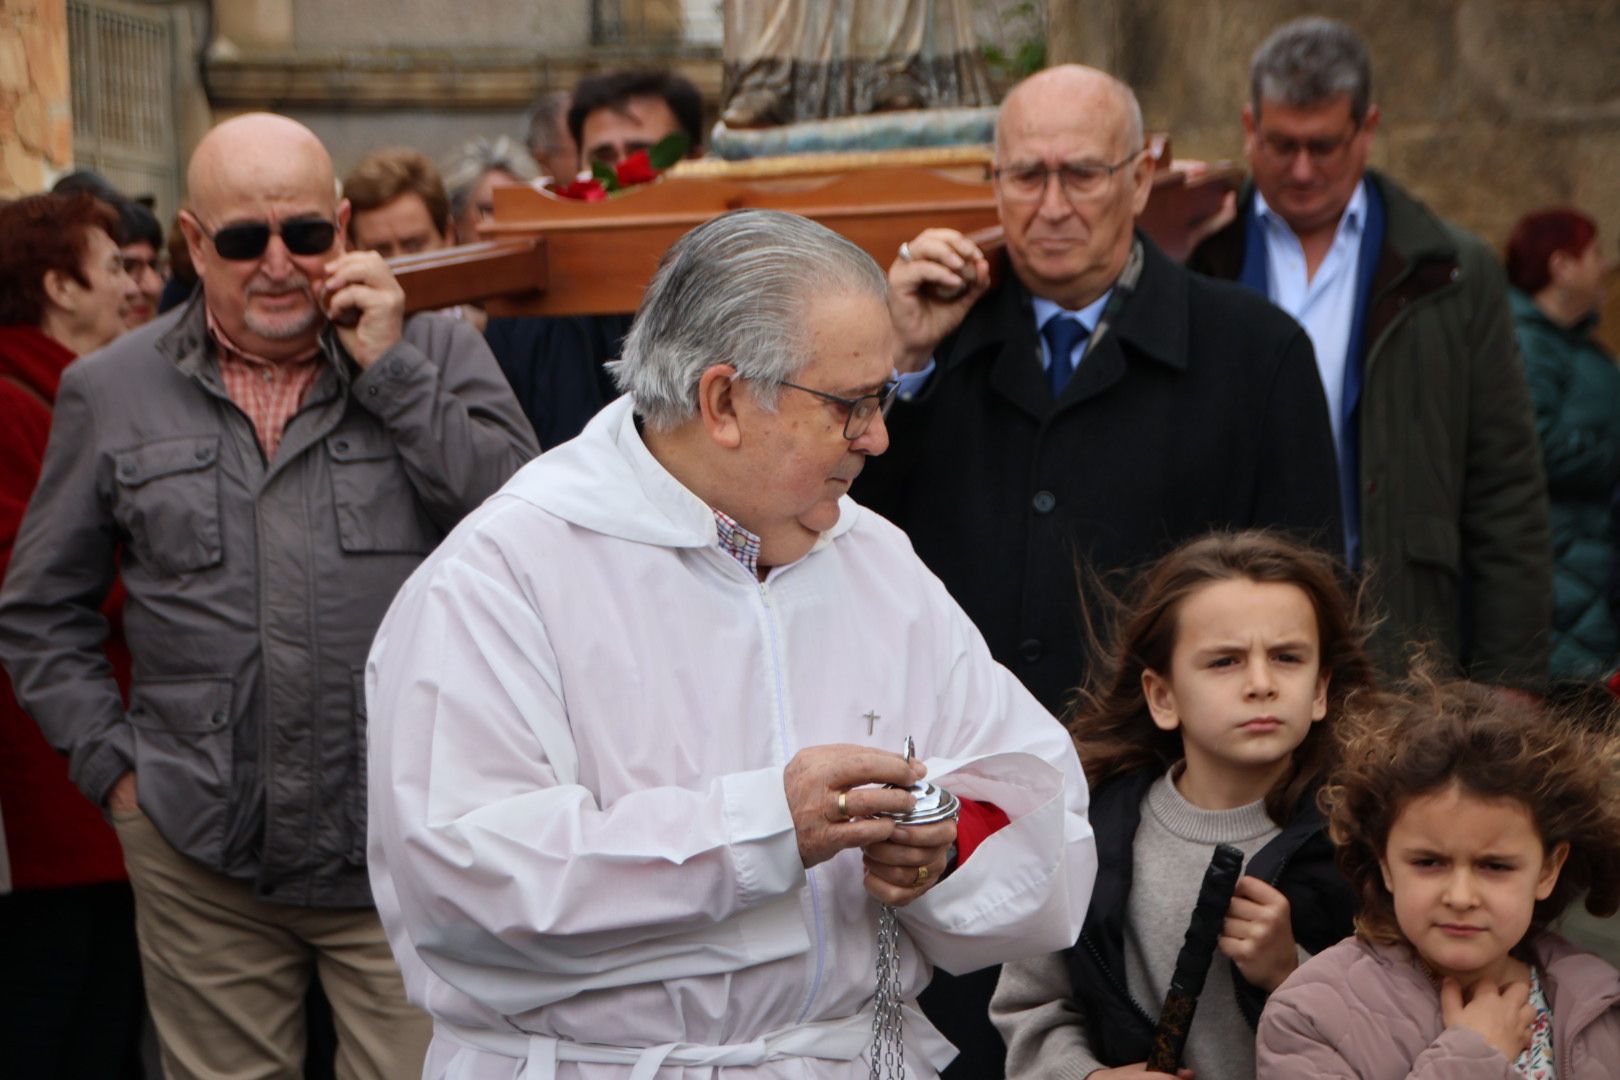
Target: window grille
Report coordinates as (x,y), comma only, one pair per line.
(122,58)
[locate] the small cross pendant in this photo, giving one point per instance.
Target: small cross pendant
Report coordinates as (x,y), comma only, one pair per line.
(871,719)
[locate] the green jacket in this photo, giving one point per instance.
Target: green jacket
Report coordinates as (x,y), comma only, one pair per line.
(1576,390)
(1453,500)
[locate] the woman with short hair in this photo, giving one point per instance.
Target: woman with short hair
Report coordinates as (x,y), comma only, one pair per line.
(70,992)
(1557,272)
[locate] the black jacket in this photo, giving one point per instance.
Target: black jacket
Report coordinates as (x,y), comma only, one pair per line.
(1201,409)
(554,366)
(1298,862)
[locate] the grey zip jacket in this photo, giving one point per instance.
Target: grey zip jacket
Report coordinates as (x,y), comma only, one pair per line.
(254,587)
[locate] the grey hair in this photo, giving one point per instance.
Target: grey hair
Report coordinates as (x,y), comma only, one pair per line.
(541,122)
(1135,135)
(734,291)
(1135,129)
(462,170)
(1310,61)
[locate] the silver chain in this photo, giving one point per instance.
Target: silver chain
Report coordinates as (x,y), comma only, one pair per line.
(888,1042)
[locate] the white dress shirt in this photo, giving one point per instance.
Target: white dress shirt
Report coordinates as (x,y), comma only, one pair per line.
(1326,303)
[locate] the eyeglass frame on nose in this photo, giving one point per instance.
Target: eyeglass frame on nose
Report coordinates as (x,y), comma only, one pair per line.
(1285,150)
(1093,176)
(288,230)
(882,401)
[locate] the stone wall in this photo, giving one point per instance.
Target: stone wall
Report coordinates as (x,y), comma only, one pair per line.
(426,73)
(36,125)
(1491,108)
(549,27)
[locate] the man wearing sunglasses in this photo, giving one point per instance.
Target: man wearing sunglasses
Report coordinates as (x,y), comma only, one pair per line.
(1448,504)
(1094,407)
(264,466)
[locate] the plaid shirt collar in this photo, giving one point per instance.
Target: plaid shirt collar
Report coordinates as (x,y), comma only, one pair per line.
(269,393)
(738,542)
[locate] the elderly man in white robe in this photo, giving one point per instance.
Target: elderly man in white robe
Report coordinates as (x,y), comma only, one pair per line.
(634,725)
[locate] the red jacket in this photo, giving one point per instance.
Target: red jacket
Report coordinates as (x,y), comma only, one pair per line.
(54,836)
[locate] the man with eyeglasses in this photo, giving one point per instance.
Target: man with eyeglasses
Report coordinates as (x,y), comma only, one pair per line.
(1444,500)
(263,467)
(142,250)
(633,724)
(1095,406)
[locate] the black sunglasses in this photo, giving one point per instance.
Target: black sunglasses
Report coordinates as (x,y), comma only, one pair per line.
(248,239)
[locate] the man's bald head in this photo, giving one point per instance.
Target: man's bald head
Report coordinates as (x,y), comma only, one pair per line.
(1070,180)
(258,154)
(1068,89)
(263,183)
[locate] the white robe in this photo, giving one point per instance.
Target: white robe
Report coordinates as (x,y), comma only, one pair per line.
(580,712)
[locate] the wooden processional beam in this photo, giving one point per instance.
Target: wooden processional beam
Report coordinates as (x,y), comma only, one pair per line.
(543,255)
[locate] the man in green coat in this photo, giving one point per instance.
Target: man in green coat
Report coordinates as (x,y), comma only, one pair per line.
(1445,502)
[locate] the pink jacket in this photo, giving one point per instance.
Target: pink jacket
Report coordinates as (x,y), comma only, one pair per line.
(1371,1013)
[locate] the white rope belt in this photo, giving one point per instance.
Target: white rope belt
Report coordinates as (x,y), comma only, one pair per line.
(845,1039)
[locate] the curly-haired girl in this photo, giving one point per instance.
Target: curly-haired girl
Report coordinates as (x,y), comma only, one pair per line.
(1210,723)
(1468,821)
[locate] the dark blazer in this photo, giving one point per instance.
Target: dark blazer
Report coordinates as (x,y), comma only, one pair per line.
(1201,409)
(1298,862)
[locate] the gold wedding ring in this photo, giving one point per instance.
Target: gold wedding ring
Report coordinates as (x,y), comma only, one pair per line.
(922,874)
(843,805)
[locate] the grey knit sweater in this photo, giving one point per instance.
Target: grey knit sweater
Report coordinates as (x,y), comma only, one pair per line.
(1032,1008)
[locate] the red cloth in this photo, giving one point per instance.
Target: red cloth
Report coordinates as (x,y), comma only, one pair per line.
(975,823)
(54,836)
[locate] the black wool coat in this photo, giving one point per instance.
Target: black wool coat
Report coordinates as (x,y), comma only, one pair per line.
(1201,408)
(554,366)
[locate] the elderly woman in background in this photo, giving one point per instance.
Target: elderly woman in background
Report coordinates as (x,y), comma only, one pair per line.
(140,240)
(70,987)
(473,173)
(1557,271)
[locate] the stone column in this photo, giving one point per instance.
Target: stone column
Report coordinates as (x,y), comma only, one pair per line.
(36,120)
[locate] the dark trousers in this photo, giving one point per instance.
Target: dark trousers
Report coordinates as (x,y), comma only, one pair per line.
(71,1004)
(959,1005)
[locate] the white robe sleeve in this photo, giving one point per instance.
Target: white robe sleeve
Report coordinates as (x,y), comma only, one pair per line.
(508,879)
(1025,889)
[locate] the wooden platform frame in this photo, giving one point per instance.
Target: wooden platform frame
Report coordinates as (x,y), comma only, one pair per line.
(543,255)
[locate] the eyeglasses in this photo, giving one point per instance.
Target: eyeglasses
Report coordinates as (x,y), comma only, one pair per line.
(248,239)
(134,265)
(1078,179)
(1284,150)
(861,409)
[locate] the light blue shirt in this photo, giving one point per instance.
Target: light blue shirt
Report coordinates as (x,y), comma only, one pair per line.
(912,382)
(1325,305)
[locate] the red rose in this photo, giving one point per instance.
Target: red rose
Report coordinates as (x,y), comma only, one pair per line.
(590,190)
(636,169)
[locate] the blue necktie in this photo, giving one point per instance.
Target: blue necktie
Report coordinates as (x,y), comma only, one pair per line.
(1062,334)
